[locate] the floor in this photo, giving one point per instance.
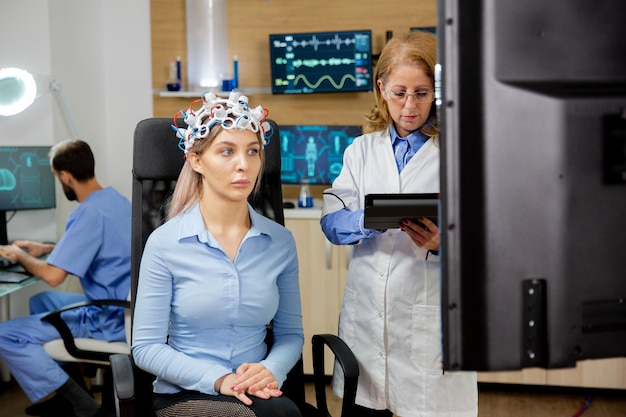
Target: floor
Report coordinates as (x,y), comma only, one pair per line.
(494,401)
(500,400)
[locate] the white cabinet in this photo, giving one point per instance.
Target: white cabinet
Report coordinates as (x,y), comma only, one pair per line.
(323,272)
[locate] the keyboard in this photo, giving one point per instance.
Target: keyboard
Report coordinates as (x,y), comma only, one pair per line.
(13,277)
(6,264)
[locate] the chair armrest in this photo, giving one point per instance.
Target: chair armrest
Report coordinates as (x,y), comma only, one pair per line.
(57,321)
(349,366)
(132,387)
(123,376)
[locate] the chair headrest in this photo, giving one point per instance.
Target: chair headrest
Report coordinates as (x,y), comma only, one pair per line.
(156,155)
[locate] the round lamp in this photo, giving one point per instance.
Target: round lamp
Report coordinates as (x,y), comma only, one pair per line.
(18,90)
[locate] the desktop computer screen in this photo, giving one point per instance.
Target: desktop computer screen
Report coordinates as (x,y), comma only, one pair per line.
(26,181)
(313,153)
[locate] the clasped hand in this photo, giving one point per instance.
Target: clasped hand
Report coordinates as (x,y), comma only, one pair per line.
(251,379)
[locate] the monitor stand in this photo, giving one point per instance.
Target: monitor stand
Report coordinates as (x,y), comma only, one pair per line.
(4,240)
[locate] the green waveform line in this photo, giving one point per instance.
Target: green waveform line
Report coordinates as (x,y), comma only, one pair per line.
(319,81)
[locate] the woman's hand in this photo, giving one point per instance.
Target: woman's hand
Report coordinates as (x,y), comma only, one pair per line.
(251,379)
(425,235)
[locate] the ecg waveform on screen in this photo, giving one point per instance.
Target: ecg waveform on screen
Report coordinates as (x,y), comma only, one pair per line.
(312,63)
(315,42)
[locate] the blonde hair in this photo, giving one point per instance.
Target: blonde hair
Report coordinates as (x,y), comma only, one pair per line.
(188,188)
(412,48)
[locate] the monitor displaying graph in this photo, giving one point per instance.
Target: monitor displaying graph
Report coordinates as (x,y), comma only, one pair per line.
(303,63)
(313,153)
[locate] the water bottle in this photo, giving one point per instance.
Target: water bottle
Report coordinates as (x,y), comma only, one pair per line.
(306,199)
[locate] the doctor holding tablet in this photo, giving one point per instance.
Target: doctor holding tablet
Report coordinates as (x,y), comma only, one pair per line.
(390,315)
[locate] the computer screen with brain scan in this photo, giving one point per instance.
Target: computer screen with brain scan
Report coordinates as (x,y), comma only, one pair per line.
(26,181)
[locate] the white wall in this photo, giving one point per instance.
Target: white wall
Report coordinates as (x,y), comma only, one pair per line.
(99,50)
(34,126)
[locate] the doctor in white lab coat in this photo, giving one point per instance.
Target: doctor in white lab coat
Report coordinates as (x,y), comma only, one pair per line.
(390,315)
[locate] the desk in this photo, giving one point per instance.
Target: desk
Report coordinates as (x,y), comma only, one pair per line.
(5,290)
(312,213)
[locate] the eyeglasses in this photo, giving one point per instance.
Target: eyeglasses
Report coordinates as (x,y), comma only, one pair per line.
(419,96)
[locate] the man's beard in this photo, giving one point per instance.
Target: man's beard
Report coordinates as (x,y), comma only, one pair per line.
(70,194)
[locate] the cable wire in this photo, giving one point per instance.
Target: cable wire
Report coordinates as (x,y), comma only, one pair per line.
(583,408)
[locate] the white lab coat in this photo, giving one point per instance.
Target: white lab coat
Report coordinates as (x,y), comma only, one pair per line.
(390,315)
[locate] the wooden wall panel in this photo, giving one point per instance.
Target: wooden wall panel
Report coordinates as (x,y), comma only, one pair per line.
(169,39)
(249,24)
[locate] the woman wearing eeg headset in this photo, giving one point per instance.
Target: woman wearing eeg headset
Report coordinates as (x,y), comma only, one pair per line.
(214,275)
(390,316)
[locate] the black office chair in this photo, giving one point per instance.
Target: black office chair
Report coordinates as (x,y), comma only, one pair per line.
(157,162)
(83,357)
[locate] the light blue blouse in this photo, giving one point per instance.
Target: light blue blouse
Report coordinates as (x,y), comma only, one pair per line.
(199,316)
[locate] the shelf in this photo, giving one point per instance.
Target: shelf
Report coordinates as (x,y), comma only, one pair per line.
(313,213)
(196,94)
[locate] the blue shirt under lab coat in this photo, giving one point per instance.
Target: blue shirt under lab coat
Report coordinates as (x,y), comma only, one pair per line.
(345,227)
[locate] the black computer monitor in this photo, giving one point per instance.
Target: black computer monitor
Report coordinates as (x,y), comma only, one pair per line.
(533,209)
(430,29)
(26,181)
(313,153)
(303,63)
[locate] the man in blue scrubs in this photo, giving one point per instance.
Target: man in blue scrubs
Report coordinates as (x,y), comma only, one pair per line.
(96,248)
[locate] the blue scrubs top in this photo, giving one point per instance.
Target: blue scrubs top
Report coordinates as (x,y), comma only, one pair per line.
(96,248)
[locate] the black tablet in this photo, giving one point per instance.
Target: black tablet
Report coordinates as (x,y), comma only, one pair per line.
(386,211)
